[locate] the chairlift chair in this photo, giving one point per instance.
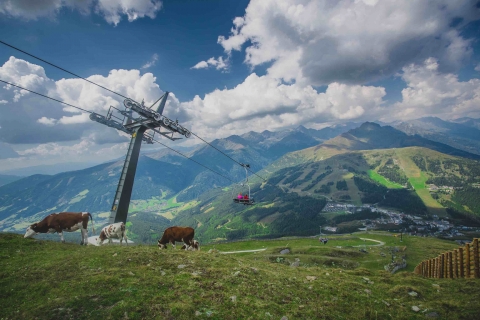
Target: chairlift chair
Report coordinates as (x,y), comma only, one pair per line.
(250,200)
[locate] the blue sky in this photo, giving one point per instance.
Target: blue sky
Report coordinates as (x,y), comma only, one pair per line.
(232,66)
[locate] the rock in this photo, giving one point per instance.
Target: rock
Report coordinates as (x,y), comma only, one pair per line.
(415,308)
(162,273)
(181,266)
(236,273)
(327,274)
(148,265)
(255,270)
(366,279)
(115,254)
(195,274)
(268,314)
(131,273)
(233,298)
(413,293)
(295,264)
(197,313)
(368,291)
(284,318)
(436,285)
(311,278)
(284,251)
(432,315)
(209,313)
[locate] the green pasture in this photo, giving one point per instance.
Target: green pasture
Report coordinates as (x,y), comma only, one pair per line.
(51,280)
(384,181)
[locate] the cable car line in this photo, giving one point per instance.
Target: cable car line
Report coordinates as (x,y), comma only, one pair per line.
(14,85)
(91,112)
(54,65)
(226,155)
(69,72)
(194,161)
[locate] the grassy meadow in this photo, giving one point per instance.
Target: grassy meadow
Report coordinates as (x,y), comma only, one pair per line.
(51,280)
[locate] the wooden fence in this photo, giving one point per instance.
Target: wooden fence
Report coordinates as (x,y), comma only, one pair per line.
(463,262)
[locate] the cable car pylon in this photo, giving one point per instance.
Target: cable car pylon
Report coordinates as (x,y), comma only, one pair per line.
(149,119)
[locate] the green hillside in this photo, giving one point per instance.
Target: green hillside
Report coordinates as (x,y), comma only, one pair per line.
(47,280)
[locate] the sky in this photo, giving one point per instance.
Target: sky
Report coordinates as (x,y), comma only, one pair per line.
(232,66)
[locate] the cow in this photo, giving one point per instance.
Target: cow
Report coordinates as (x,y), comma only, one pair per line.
(113,231)
(63,221)
(173,234)
(194,247)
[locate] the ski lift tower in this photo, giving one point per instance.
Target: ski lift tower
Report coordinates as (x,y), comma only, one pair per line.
(137,127)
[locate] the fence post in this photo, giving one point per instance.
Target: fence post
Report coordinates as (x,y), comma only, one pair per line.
(434,269)
(460,260)
(438,267)
(429,268)
(442,265)
(467,260)
(475,259)
(455,263)
(450,265)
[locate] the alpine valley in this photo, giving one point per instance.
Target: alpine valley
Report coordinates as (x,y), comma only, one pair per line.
(427,168)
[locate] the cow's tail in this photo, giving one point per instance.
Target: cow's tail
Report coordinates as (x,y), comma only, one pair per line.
(91,218)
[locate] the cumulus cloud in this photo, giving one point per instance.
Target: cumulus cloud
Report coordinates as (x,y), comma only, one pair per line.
(219,64)
(3,101)
(430,92)
(318,42)
(30,118)
(47,121)
(264,102)
(55,149)
(152,62)
(111,10)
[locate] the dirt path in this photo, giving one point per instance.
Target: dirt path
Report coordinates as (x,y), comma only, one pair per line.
(380,243)
(242,251)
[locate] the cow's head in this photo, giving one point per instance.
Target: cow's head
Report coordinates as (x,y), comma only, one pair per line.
(161,246)
(31,231)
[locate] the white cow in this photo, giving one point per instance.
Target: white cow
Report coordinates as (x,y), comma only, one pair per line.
(113,231)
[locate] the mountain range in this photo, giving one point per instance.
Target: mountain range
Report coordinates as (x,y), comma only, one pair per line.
(303,168)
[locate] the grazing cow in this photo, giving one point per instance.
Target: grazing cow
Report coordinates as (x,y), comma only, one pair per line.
(194,247)
(63,221)
(173,234)
(113,231)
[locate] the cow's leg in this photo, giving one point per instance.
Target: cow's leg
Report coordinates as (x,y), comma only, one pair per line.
(61,236)
(173,244)
(125,237)
(82,231)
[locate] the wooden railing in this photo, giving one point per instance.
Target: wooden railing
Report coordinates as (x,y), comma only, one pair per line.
(463,262)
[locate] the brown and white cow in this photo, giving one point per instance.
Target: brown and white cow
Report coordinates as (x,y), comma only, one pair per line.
(173,234)
(113,231)
(63,221)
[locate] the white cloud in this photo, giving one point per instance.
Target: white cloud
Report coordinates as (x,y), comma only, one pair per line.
(3,101)
(152,62)
(477,68)
(430,92)
(263,102)
(111,10)
(55,149)
(219,64)
(318,42)
(47,121)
